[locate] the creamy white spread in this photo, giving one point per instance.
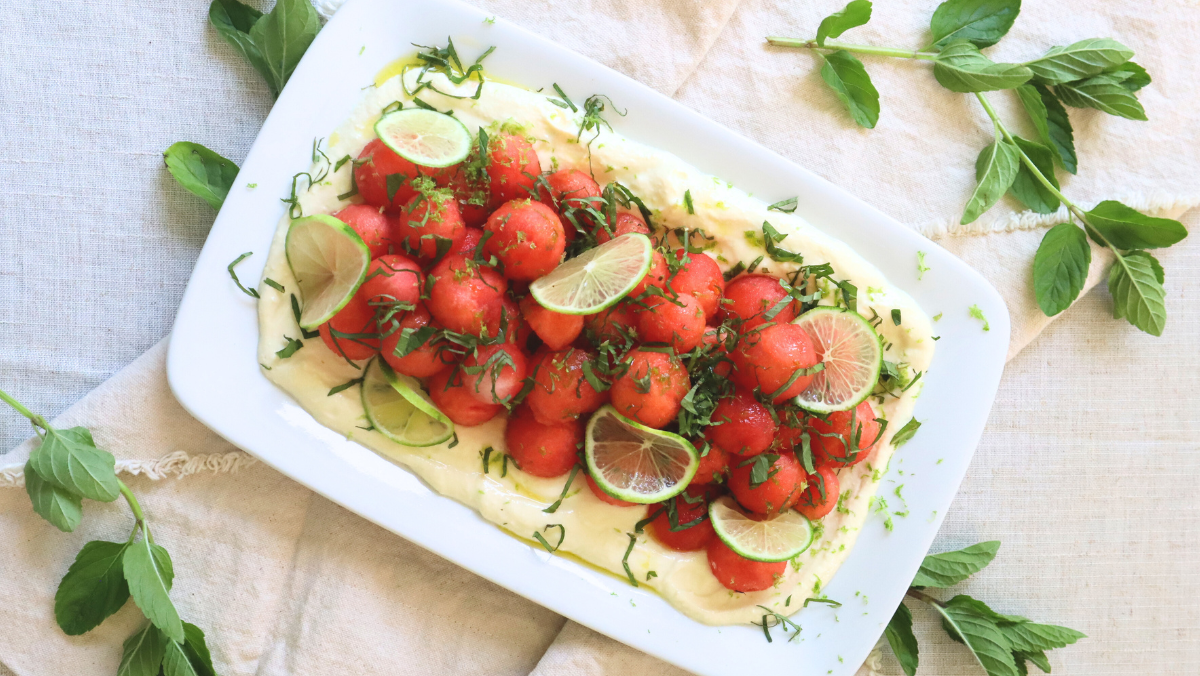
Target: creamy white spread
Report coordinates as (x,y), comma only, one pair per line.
(596,532)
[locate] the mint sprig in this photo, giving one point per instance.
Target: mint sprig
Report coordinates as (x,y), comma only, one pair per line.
(63,470)
(1001,644)
(1094,73)
(273,43)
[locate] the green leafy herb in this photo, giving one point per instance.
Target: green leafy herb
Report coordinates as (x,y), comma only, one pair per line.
(982,22)
(273,284)
(1060,268)
(143,652)
(272,43)
(1103,92)
(1137,79)
(625,559)
(771,619)
(60,507)
(149,572)
(950,568)
(562,535)
(93,588)
(290,348)
(995,170)
(687,201)
(857,13)
(1136,285)
(1126,228)
(848,79)
(1027,188)
(252,292)
(563,496)
(964,623)
(201,171)
(62,470)
(828,602)
(1079,60)
(786,206)
(906,433)
(960,67)
(344,386)
(977,313)
(1058,124)
(896,316)
(900,637)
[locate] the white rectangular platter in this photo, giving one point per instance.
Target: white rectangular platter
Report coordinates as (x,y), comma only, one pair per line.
(213,370)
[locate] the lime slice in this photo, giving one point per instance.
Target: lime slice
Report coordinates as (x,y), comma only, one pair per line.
(779,538)
(852,354)
(635,463)
(329,261)
(425,137)
(596,278)
(398,408)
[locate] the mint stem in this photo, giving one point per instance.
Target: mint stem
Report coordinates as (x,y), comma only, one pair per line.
(1078,213)
(34,418)
(832,45)
(921,596)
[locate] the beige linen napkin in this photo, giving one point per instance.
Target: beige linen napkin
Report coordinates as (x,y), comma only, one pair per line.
(286,582)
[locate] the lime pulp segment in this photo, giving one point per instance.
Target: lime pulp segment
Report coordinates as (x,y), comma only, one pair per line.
(635,463)
(852,354)
(597,278)
(329,261)
(779,538)
(425,137)
(398,409)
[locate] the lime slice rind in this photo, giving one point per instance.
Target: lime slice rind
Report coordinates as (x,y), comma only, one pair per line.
(779,538)
(635,463)
(852,354)
(397,407)
(425,137)
(329,261)
(597,278)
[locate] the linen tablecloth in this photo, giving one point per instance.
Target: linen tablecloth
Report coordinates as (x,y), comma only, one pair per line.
(1086,472)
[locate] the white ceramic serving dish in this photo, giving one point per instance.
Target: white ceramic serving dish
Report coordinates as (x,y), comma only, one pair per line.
(214,373)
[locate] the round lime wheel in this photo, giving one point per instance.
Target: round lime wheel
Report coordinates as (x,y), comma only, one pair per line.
(852,354)
(329,261)
(398,408)
(425,137)
(635,463)
(779,538)
(597,278)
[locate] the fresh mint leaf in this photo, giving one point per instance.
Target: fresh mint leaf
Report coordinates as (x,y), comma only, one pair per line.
(149,572)
(62,508)
(189,657)
(848,79)
(1026,187)
(233,21)
(1127,228)
(1136,285)
(93,588)
(856,13)
(196,650)
(1038,658)
(900,637)
(906,433)
(283,36)
(1105,93)
(1079,60)
(979,633)
(983,22)
(1060,268)
(960,67)
(1031,100)
(70,460)
(1062,136)
(995,169)
(143,652)
(1138,77)
(201,171)
(983,610)
(950,568)
(1030,637)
